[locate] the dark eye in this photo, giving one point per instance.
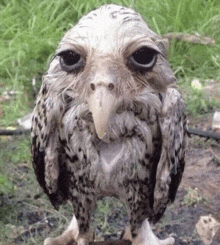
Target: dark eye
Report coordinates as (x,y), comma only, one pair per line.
(144,58)
(70,60)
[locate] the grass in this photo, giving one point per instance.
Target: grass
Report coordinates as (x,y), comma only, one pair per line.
(30,31)
(192,197)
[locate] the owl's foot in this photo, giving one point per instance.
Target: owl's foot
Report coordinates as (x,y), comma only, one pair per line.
(146,236)
(71,234)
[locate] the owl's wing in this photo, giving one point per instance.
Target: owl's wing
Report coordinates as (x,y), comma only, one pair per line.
(172,160)
(47,152)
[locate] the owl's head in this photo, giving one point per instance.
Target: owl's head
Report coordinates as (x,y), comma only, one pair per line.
(108,59)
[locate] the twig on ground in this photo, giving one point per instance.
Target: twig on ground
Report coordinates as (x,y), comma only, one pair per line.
(205,134)
(117,242)
(8,132)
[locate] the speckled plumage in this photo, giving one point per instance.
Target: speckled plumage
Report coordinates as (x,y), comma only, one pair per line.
(105,125)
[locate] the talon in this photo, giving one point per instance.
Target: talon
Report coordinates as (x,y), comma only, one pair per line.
(51,241)
(167,241)
(64,239)
(126,234)
(146,236)
(82,241)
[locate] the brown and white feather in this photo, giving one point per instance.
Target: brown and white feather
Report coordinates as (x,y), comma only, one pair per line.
(140,156)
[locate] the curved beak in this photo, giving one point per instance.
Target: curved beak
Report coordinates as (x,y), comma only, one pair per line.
(101,105)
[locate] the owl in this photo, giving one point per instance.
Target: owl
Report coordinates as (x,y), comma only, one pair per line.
(108,121)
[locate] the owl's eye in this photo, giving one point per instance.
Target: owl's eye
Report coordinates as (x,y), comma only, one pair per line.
(143,59)
(70,60)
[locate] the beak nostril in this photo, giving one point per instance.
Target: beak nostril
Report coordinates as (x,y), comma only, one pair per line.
(92,86)
(111,86)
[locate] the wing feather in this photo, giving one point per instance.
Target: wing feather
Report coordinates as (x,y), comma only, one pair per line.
(47,152)
(172,160)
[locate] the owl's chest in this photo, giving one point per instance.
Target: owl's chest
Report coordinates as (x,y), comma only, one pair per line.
(124,153)
(110,165)
(110,156)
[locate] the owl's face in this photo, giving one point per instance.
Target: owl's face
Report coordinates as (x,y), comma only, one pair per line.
(109,59)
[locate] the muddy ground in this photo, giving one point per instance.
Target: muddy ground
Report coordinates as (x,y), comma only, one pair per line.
(198,195)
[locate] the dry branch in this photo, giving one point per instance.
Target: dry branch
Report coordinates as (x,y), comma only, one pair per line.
(190,38)
(117,242)
(205,134)
(14,132)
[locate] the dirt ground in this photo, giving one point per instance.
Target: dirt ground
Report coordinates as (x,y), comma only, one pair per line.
(198,195)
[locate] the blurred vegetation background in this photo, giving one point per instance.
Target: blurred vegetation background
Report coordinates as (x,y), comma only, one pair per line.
(29,33)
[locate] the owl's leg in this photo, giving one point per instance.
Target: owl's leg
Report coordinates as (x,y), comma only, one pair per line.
(145,236)
(70,234)
(140,232)
(78,230)
(82,207)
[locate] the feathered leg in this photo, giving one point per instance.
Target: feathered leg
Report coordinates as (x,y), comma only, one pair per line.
(70,234)
(79,228)
(140,232)
(145,236)
(82,207)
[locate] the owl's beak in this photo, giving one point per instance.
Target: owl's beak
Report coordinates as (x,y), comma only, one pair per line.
(101,105)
